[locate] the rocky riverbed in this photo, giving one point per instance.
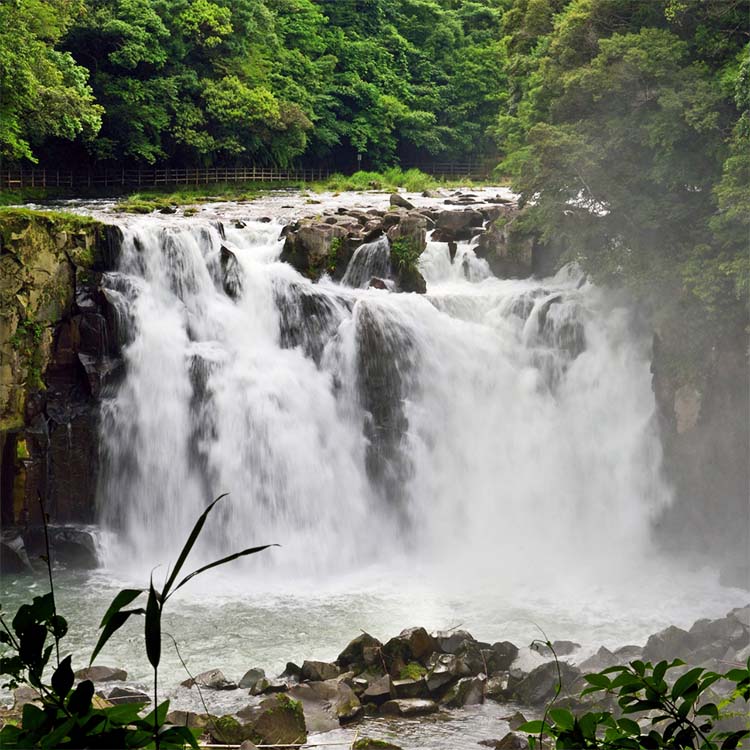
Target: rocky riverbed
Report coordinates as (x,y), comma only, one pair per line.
(416,685)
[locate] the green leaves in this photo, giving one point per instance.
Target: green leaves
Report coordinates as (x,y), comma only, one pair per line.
(153,627)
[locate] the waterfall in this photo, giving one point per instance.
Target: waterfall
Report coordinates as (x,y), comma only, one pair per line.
(482,422)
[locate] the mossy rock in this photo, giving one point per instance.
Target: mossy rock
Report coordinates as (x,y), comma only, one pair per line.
(368,743)
(226,729)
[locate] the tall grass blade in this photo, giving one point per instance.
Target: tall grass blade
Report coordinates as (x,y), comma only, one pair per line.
(229,558)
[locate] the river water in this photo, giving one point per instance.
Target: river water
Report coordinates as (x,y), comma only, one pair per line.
(485,455)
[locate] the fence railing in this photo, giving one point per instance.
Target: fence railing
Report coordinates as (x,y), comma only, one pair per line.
(146,177)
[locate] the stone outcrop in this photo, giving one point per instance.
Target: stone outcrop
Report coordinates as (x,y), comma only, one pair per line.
(58,350)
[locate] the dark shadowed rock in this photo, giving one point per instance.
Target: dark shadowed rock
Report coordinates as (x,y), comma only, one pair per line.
(360,652)
(560,648)
(507,249)
(602,659)
(540,685)
(278,720)
(327,704)
(501,655)
(367,743)
(378,691)
(188,719)
(468,691)
(448,641)
(127,695)
(410,688)
(443,669)
(513,741)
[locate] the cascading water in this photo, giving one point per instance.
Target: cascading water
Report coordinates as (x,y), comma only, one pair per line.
(486,420)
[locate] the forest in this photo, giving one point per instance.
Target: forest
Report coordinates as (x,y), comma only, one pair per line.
(626,121)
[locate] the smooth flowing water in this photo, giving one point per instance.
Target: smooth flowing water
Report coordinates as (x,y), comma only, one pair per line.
(484,455)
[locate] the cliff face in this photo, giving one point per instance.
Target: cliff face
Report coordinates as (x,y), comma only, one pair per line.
(57,351)
(704,416)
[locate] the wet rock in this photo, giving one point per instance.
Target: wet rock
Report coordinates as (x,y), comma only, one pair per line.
(410,688)
(327,704)
(468,691)
(278,720)
(539,686)
(560,648)
(407,707)
(507,249)
(501,655)
(359,653)
(443,669)
(101,674)
(628,653)
(265,686)
(500,685)
(377,283)
(602,659)
(378,691)
(367,743)
(430,194)
(127,695)
(515,720)
(248,745)
(309,248)
(670,643)
(232,273)
(292,672)
(390,219)
(251,678)
(226,730)
(13,557)
(213,679)
(513,741)
(400,201)
(412,228)
(372,230)
(316,671)
(447,641)
(23,695)
(457,225)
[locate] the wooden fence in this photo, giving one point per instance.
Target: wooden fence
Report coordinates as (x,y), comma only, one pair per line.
(14,179)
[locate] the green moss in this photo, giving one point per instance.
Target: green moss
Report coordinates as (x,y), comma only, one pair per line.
(22,451)
(412,671)
(286,703)
(368,743)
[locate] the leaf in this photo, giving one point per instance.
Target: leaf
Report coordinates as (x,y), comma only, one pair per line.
(63,678)
(194,534)
(687,681)
(731,742)
(629,726)
(53,739)
(125,713)
(229,558)
(180,736)
(115,622)
(161,715)
(153,627)
(533,727)
(599,681)
(121,600)
(709,709)
(80,701)
(562,718)
(33,717)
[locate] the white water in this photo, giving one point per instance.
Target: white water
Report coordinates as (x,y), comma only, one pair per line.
(483,455)
(492,448)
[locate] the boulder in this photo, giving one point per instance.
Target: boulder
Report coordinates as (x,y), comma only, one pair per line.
(361,652)
(309,247)
(468,691)
(540,685)
(317,671)
(231,272)
(628,653)
(559,648)
(276,721)
(327,704)
(457,225)
(367,743)
(23,695)
(248,745)
(515,720)
(444,668)
(226,730)
(670,643)
(407,707)
(410,688)
(127,695)
(378,691)
(101,674)
(507,249)
(412,227)
(13,557)
(264,686)
(400,201)
(602,659)
(292,672)
(188,719)
(251,678)
(213,679)
(501,655)
(447,641)
(513,741)
(413,644)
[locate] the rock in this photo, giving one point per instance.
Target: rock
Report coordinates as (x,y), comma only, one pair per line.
(447,641)
(457,225)
(248,745)
(560,648)
(430,194)
(372,230)
(513,741)
(473,656)
(468,691)
(168,210)
(502,655)
(276,721)
(327,704)
(265,686)
(378,691)
(213,679)
(413,644)
(670,643)
(628,653)
(309,248)
(410,688)
(539,686)
(23,695)
(398,200)
(226,730)
(412,228)
(443,669)
(411,280)
(127,695)
(602,659)
(367,743)
(188,719)
(360,652)
(101,674)
(319,670)
(13,557)
(240,224)
(377,283)
(291,672)
(515,720)
(390,219)
(250,679)
(407,707)
(729,631)
(507,249)
(232,273)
